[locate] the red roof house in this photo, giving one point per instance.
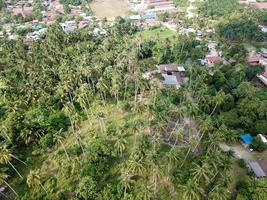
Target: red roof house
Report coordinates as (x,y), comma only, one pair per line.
(83,24)
(214,59)
(24,11)
(254,60)
(259,5)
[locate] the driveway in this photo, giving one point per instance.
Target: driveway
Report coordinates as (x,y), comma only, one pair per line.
(240,152)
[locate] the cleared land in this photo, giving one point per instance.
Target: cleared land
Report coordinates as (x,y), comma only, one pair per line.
(109,8)
(157,33)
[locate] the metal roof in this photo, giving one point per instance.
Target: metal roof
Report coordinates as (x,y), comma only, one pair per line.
(256,168)
(170,79)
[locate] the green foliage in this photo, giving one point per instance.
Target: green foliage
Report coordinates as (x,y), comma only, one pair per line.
(236,52)
(2,5)
(218,8)
(242,163)
(252,189)
(87,189)
(57,121)
(258,145)
(237,26)
(261,126)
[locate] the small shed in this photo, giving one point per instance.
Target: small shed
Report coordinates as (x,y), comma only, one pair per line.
(246,138)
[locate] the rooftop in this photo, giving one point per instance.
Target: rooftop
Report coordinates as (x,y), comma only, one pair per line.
(247,138)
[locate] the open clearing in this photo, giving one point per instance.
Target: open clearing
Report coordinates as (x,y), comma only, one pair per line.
(109,8)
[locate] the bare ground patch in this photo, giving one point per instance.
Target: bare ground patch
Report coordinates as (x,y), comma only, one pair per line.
(109,8)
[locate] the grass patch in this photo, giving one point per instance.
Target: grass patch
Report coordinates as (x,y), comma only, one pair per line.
(157,34)
(237,174)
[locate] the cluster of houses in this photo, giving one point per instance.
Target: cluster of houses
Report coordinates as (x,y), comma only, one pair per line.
(260,58)
(37,28)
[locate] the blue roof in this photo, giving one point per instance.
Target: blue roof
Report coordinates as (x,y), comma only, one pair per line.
(150,16)
(246,138)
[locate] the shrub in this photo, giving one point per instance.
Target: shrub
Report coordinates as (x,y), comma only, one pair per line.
(57,121)
(87,189)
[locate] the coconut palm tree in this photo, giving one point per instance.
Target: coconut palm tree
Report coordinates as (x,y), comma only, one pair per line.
(6,156)
(192,190)
(59,138)
(219,99)
(3,177)
(201,172)
(120,143)
(34,179)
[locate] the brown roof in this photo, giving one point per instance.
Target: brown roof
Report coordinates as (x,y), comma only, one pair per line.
(169,67)
(263,164)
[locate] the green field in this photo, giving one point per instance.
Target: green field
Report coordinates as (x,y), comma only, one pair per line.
(158,33)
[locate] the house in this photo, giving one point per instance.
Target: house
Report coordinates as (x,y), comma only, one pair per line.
(210,60)
(247,139)
(152,23)
(24,11)
(49,16)
(173,74)
(264,52)
(150,15)
(263,77)
(83,24)
(135,17)
(259,168)
(254,59)
(258,5)
(68,26)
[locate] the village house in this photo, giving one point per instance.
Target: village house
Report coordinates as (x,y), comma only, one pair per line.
(24,11)
(211,60)
(263,77)
(259,168)
(68,26)
(254,59)
(259,5)
(173,74)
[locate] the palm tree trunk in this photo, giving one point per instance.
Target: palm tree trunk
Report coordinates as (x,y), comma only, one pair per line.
(61,143)
(11,188)
(43,188)
(214,109)
(15,169)
(18,159)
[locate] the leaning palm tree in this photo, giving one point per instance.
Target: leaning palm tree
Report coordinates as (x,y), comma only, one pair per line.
(34,179)
(60,138)
(4,176)
(6,156)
